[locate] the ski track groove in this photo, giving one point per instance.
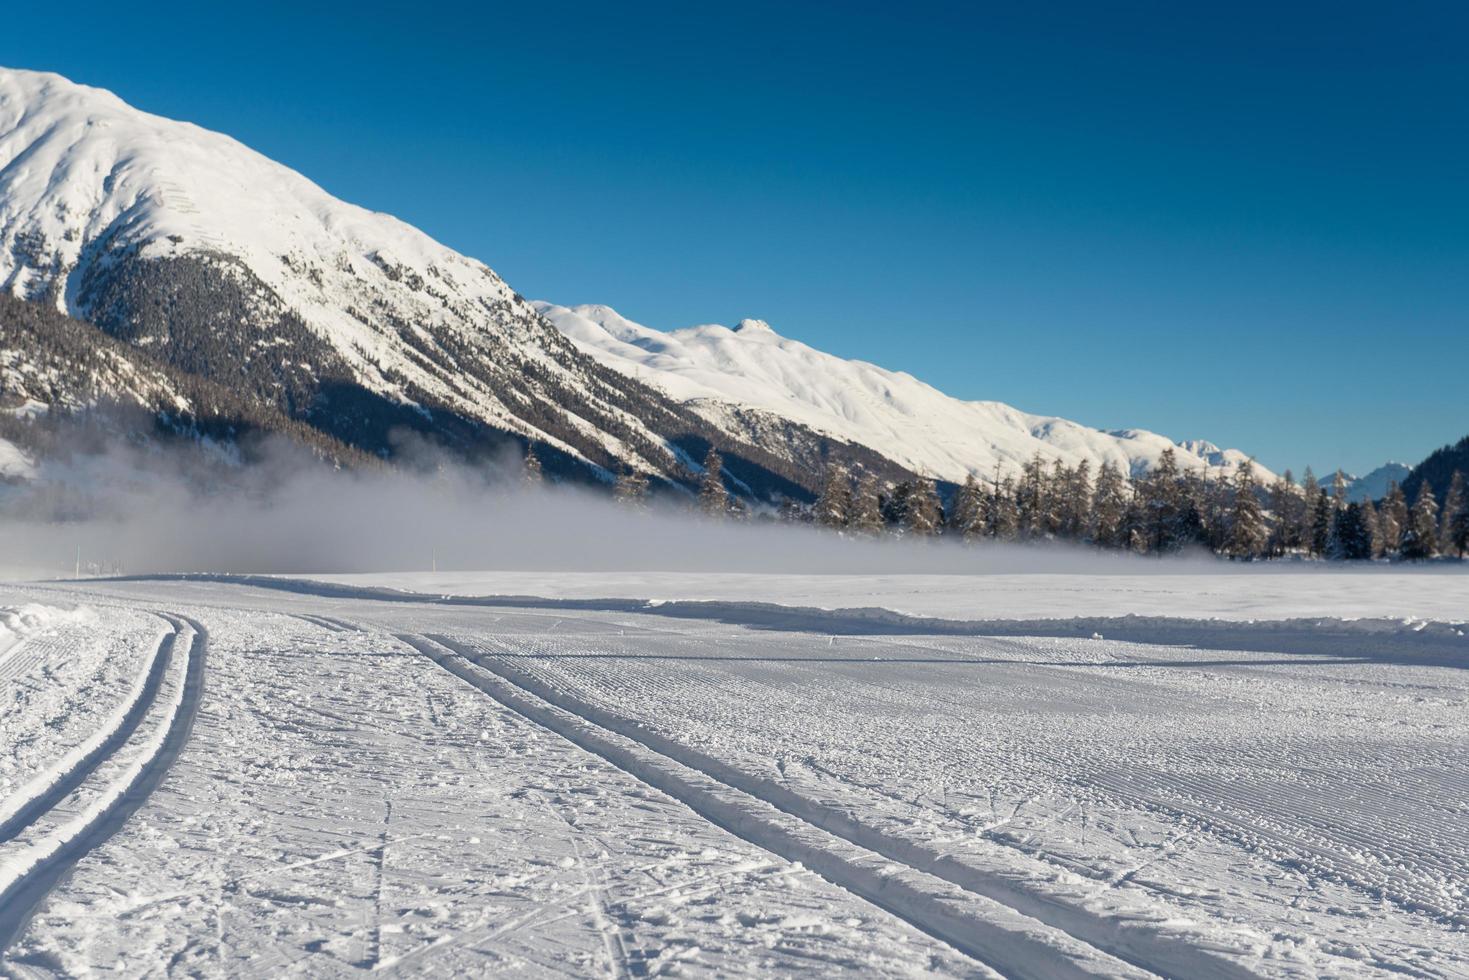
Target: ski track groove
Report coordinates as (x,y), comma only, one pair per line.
(19,903)
(106,742)
(1139,945)
(1020,947)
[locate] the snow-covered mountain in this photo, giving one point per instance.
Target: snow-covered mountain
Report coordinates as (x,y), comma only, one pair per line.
(220,264)
(716,369)
(227,265)
(1374,485)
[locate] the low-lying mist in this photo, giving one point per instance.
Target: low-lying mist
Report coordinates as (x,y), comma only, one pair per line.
(138,511)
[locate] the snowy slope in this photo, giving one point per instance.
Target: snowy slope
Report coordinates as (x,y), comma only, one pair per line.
(710,367)
(1374,485)
(227,264)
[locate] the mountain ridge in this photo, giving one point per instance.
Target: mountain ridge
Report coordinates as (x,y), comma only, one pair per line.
(710,367)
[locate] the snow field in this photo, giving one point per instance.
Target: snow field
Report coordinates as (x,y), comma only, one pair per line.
(351,805)
(422,785)
(67,679)
(87,795)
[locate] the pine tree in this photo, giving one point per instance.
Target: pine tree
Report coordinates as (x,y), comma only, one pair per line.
(1419,539)
(532,472)
(924,515)
(1076,503)
(866,515)
(713,498)
(1247,523)
(1031,498)
(967,519)
(1339,490)
(1109,508)
(1392,518)
(1322,513)
(834,506)
(1161,503)
(1006,509)
(1373,526)
(1284,498)
(1454,535)
(631,489)
(1351,539)
(1305,514)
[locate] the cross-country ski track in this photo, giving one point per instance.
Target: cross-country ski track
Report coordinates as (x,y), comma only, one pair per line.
(381,781)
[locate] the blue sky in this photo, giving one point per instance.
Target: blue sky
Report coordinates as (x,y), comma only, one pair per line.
(1241,222)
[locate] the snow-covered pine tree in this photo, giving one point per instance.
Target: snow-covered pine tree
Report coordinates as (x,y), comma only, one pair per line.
(1161,501)
(713,498)
(967,517)
(1373,527)
(866,517)
(1322,513)
(833,508)
(1109,508)
(1339,490)
(1031,497)
(532,467)
(1076,503)
(1006,509)
(631,489)
(1392,518)
(1305,530)
(924,514)
(1247,523)
(1419,539)
(1284,498)
(1454,534)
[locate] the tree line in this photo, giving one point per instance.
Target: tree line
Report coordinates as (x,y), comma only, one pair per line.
(1164,510)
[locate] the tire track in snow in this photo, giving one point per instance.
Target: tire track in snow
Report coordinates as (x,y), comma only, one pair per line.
(995,936)
(20,900)
(1146,946)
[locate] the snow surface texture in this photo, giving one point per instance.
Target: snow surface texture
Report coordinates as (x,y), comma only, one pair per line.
(711,367)
(388,781)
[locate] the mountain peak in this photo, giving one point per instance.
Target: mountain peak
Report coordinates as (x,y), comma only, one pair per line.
(751,326)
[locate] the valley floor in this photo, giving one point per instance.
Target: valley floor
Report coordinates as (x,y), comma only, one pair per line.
(406,775)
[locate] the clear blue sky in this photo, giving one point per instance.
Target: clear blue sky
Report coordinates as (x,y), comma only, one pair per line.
(1242,222)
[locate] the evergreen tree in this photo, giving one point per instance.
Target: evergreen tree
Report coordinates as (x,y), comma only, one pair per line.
(1161,503)
(1006,509)
(1031,498)
(1370,523)
(1339,490)
(1284,498)
(532,472)
(1247,523)
(1322,513)
(713,498)
(793,512)
(924,515)
(1076,503)
(1305,514)
(967,519)
(1351,538)
(1454,535)
(1419,539)
(631,489)
(1392,518)
(866,516)
(1109,508)
(834,507)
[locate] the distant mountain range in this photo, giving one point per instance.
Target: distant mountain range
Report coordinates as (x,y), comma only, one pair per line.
(204,269)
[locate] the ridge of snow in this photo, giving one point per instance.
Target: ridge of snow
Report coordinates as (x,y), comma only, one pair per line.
(711,366)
